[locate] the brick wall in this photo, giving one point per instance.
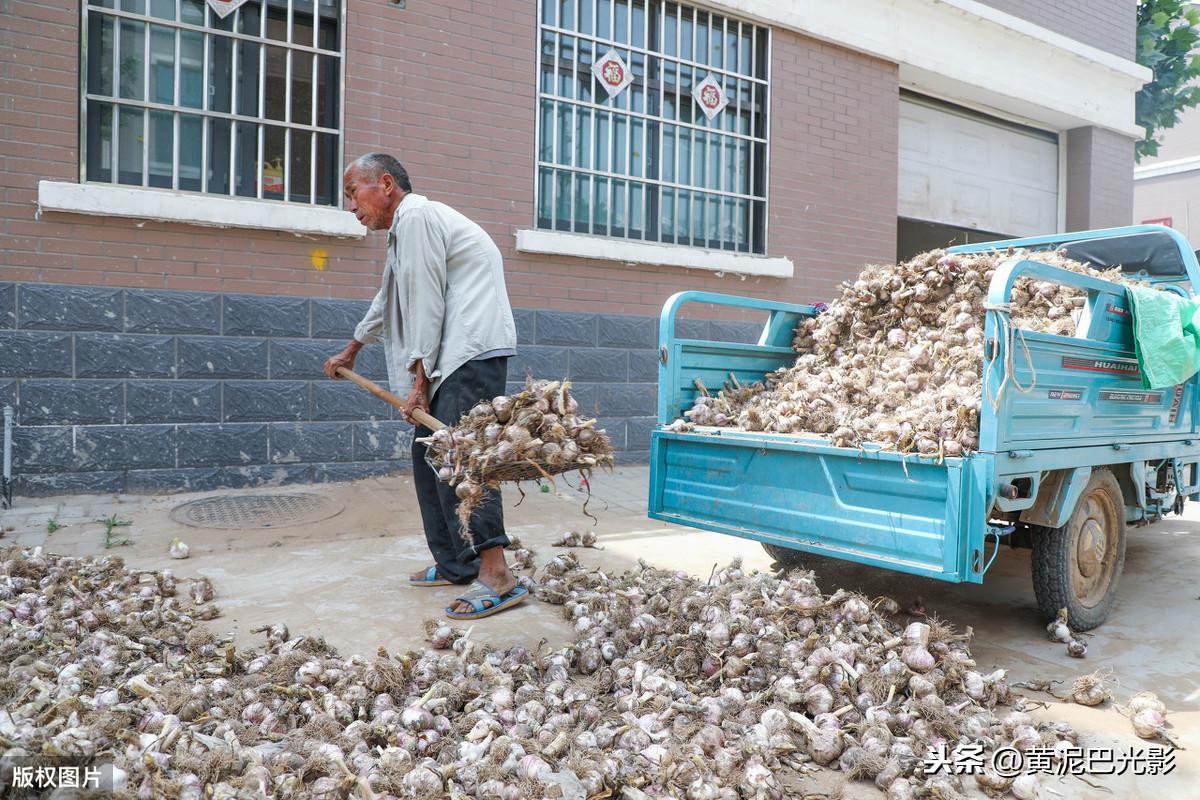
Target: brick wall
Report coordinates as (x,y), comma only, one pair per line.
(455,101)
(1099,179)
(1107,24)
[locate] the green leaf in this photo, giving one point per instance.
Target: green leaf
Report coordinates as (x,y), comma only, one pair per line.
(1167,35)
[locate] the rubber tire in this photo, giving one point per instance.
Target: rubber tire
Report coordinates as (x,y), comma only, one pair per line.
(798,559)
(1051,562)
(786,556)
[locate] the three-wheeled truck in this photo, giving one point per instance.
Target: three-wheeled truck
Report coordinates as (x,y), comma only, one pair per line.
(1063,467)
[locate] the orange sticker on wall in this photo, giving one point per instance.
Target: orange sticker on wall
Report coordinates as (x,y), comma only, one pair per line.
(319,259)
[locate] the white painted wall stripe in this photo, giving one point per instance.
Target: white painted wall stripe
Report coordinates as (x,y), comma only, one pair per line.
(196,209)
(583,246)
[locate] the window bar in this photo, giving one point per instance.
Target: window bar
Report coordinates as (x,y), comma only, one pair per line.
(205,128)
(554,107)
(753,125)
(312,166)
(595,123)
(629,166)
(175,123)
(737,122)
(205,125)
(678,82)
(312,107)
(287,164)
(709,44)
(629,124)
(116,109)
(695,26)
(287,109)
(612,22)
(175,117)
(262,110)
(645,186)
(312,87)
(146,112)
(575,63)
(720,138)
(608,190)
(646,35)
(233,107)
(662,94)
(145,147)
(627,95)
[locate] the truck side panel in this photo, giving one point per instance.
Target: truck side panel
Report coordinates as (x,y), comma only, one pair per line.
(1081,391)
(904,514)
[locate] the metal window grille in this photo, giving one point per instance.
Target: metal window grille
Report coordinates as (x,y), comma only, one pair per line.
(648,164)
(175,97)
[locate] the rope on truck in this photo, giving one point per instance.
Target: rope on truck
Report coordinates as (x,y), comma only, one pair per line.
(1002,320)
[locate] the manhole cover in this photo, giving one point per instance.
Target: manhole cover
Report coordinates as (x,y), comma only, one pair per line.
(256,511)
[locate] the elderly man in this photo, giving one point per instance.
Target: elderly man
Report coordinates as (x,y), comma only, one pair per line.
(442,313)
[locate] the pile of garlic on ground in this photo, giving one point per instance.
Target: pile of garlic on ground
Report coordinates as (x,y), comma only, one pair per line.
(897,360)
(673,687)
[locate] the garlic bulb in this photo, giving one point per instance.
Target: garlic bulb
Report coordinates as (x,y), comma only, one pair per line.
(1090,690)
(178,548)
(1026,787)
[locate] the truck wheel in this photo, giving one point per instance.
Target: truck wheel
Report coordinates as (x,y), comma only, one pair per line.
(1077,566)
(792,559)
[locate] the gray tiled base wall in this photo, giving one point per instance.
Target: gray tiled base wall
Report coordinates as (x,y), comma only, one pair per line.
(152,391)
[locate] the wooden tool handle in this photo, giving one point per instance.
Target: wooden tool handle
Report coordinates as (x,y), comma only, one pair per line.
(383,394)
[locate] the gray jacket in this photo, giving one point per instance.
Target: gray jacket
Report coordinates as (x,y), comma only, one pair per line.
(442,298)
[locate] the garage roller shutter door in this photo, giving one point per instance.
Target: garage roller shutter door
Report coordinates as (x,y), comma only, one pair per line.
(972,171)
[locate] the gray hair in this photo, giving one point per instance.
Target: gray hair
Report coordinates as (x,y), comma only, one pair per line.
(374,165)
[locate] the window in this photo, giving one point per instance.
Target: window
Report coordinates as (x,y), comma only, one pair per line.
(648,164)
(176,97)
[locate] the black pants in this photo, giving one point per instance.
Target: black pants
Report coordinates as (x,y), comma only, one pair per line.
(457,560)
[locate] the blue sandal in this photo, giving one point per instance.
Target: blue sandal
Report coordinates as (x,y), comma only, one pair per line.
(431,579)
(478,594)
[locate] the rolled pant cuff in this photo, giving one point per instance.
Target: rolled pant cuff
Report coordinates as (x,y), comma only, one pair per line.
(471,553)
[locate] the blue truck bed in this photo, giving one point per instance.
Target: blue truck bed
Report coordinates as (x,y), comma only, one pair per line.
(941,518)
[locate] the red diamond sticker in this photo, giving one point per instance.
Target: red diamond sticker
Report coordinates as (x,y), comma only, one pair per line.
(711,96)
(612,72)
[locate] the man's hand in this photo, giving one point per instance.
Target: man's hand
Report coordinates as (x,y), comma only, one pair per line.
(418,397)
(342,359)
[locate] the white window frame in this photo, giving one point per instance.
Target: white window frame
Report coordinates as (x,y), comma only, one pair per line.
(226,209)
(654,250)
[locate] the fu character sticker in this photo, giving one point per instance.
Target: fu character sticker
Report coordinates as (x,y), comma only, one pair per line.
(223,8)
(612,71)
(711,96)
